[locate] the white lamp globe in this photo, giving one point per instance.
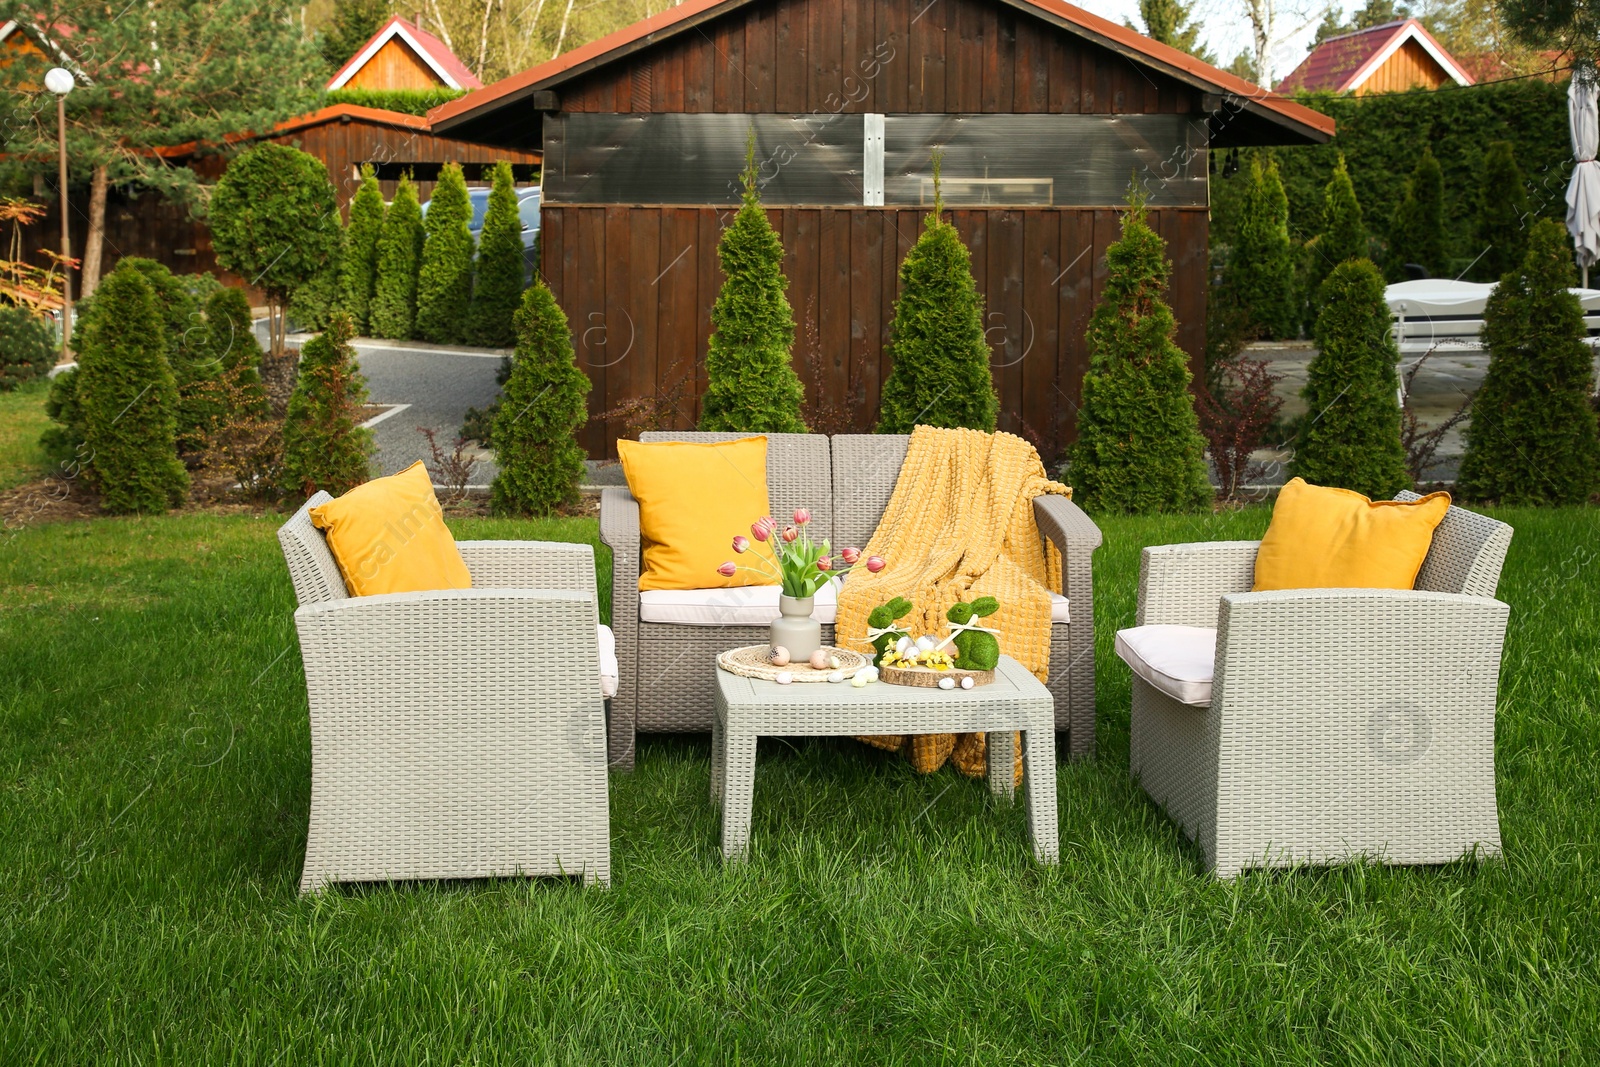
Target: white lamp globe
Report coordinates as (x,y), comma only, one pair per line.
(59,81)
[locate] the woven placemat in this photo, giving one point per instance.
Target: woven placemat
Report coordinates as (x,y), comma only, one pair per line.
(754,661)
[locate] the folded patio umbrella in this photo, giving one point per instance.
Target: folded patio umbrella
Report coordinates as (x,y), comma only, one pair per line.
(1583,193)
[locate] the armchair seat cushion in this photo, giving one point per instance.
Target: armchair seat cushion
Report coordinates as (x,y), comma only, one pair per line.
(753,605)
(609,671)
(1177,660)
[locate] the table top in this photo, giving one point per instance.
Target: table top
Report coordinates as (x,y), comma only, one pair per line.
(1013,683)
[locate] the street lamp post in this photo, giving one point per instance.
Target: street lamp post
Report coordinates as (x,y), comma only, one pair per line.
(60,82)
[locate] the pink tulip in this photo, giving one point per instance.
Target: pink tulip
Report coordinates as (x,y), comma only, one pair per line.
(790,533)
(824,564)
(850,555)
(759,531)
(801,516)
(741,544)
(875,564)
(727,570)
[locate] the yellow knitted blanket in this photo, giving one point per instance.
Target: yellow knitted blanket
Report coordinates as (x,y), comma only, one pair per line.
(960,525)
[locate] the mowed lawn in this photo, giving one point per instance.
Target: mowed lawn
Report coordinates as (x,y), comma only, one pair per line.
(152,823)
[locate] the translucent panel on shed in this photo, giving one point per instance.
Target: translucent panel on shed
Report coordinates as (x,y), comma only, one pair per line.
(697,159)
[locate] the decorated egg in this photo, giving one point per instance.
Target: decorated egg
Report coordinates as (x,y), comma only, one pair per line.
(966,683)
(819,660)
(836,676)
(784,678)
(780,656)
(947,682)
(903,644)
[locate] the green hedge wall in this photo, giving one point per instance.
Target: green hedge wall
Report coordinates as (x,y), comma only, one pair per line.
(410,101)
(1381,137)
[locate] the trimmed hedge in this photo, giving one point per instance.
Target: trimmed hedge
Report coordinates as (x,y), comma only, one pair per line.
(407,101)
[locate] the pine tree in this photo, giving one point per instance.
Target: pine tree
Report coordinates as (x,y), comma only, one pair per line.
(1503,213)
(1532,438)
(353,24)
(394,295)
(940,375)
(1139,447)
(751,387)
(1351,434)
(1172,22)
(359,265)
(128,400)
(1261,269)
(541,462)
(444,283)
(324,443)
(1416,233)
(498,290)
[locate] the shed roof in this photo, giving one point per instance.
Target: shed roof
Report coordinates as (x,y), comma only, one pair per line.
(1268,118)
(1343,64)
(432,51)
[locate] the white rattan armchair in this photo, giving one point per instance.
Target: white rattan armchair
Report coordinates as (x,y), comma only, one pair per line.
(1343,722)
(458,733)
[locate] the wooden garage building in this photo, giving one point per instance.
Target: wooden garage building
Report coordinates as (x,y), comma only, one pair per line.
(1043,113)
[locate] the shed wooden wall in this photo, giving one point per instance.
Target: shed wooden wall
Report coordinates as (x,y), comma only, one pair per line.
(1410,67)
(638,283)
(395,66)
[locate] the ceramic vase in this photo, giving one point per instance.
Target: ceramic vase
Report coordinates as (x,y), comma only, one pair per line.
(795,629)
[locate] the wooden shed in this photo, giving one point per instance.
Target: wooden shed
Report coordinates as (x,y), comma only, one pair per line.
(402,56)
(1043,113)
(1391,58)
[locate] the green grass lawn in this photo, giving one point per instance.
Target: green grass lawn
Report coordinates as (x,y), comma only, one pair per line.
(22,420)
(154,812)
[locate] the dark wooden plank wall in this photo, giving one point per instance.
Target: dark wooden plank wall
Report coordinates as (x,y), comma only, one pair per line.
(889,56)
(638,283)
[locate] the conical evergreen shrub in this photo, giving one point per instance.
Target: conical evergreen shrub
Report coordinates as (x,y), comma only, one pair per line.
(1139,447)
(1261,269)
(1416,234)
(1532,438)
(940,375)
(231,343)
(127,399)
(358,266)
(1350,436)
(1344,232)
(444,283)
(394,295)
(1503,214)
(541,408)
(750,384)
(497,292)
(324,444)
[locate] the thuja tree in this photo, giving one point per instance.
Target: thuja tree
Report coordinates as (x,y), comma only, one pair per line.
(1503,213)
(394,295)
(444,283)
(1350,436)
(1416,233)
(1532,436)
(127,399)
(324,444)
(750,383)
(541,408)
(498,289)
(275,221)
(184,331)
(1261,270)
(940,375)
(231,346)
(1139,447)
(358,268)
(1344,232)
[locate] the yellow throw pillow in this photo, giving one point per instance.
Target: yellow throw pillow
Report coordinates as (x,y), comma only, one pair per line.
(1322,538)
(693,498)
(389,536)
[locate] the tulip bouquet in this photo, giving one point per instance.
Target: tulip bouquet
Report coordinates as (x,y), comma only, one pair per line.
(802,565)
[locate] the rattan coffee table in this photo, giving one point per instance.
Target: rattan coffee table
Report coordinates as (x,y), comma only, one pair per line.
(747,709)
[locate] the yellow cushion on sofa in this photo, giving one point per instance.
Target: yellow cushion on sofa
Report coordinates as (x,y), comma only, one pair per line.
(693,498)
(389,536)
(1322,538)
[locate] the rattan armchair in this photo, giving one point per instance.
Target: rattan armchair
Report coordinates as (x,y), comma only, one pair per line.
(1342,722)
(458,733)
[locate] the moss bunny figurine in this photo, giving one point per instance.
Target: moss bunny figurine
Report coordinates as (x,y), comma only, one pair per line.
(979,650)
(881,623)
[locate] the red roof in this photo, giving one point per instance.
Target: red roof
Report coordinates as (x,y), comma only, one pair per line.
(433,52)
(691,13)
(1342,64)
(320,117)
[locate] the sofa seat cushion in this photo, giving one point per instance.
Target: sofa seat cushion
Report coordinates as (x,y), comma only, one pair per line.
(752,605)
(1177,660)
(609,672)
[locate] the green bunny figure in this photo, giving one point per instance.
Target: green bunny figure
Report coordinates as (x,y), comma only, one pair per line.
(979,651)
(883,616)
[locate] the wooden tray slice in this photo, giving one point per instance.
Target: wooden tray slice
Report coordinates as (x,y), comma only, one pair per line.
(928,678)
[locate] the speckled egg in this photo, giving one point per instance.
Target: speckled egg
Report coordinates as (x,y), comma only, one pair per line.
(780,656)
(819,660)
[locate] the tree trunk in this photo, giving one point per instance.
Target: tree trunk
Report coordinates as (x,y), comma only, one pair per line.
(96,240)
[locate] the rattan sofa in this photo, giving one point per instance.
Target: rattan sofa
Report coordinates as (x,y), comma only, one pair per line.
(458,733)
(846,481)
(1341,722)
